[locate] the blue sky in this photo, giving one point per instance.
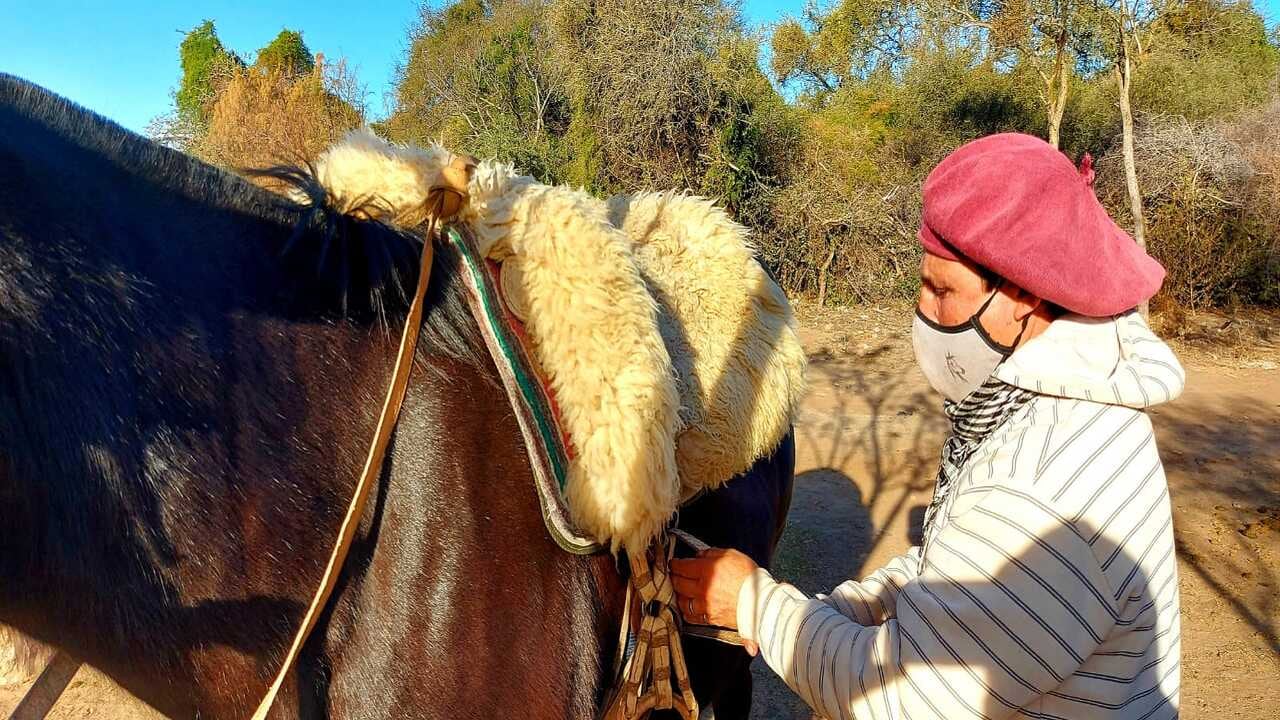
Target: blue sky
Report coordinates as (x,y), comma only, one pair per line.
(121,58)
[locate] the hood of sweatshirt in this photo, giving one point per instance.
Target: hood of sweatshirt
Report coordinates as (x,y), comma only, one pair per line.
(1117,361)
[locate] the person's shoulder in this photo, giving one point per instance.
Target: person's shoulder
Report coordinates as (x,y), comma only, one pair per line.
(1056,444)
(1070,463)
(1080,456)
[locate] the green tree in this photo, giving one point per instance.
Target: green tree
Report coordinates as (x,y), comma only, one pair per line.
(204,60)
(1044,37)
(756,137)
(612,95)
(620,95)
(1205,58)
(479,76)
(287,53)
(827,48)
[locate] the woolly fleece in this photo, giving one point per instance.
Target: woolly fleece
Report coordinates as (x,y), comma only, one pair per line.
(673,355)
(390,182)
(592,324)
(728,327)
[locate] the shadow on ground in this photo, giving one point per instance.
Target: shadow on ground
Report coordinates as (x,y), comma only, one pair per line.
(1224,474)
(867,444)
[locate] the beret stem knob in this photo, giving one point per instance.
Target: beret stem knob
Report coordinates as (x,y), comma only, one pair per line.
(1086,169)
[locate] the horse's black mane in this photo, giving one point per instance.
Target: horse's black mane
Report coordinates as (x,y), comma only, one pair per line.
(365,268)
(389,257)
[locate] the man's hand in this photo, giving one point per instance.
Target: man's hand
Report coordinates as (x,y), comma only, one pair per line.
(707,587)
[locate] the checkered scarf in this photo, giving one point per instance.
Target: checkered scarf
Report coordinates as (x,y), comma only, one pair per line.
(973,419)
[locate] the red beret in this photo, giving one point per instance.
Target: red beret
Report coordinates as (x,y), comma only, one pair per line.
(1014,205)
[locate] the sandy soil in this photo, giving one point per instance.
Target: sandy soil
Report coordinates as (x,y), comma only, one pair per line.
(869,433)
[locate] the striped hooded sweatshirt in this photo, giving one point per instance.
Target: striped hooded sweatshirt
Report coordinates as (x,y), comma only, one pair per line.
(1047,585)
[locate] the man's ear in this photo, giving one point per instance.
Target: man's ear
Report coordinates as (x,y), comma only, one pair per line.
(1024,302)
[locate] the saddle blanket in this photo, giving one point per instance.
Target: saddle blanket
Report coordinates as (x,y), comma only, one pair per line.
(648,354)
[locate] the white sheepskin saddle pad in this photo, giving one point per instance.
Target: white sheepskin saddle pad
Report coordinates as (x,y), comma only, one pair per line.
(673,356)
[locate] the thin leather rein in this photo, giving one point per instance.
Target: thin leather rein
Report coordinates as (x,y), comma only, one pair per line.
(373,462)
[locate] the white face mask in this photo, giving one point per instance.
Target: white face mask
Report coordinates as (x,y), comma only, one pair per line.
(956,359)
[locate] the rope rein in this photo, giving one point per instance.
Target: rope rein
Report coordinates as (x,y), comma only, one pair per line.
(373,461)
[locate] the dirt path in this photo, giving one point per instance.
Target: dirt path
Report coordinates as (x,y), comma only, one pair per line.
(869,434)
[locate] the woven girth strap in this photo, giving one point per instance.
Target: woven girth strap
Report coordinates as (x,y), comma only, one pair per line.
(657,669)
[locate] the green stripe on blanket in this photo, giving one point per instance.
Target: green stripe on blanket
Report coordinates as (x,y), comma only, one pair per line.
(528,393)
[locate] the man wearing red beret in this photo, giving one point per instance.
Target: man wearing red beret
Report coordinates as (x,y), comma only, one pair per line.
(1046,584)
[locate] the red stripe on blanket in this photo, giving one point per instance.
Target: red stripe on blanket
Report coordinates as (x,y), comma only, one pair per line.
(493,269)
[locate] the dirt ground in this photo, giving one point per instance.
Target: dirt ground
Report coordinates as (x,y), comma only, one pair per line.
(868,438)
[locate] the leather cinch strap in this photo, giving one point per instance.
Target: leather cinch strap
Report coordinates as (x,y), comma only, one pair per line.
(47,688)
(372,464)
(711,632)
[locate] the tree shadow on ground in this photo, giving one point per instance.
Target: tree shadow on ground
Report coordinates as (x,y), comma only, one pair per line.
(827,545)
(1224,476)
(881,430)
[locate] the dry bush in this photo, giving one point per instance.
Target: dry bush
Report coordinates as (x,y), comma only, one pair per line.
(1206,206)
(844,224)
(847,244)
(1257,132)
(263,117)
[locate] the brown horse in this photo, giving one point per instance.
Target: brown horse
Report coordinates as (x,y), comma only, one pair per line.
(190,370)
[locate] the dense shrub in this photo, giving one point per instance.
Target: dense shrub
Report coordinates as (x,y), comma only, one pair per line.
(264,117)
(824,160)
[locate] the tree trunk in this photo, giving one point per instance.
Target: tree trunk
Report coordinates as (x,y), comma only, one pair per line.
(822,277)
(1056,110)
(1124,77)
(1056,92)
